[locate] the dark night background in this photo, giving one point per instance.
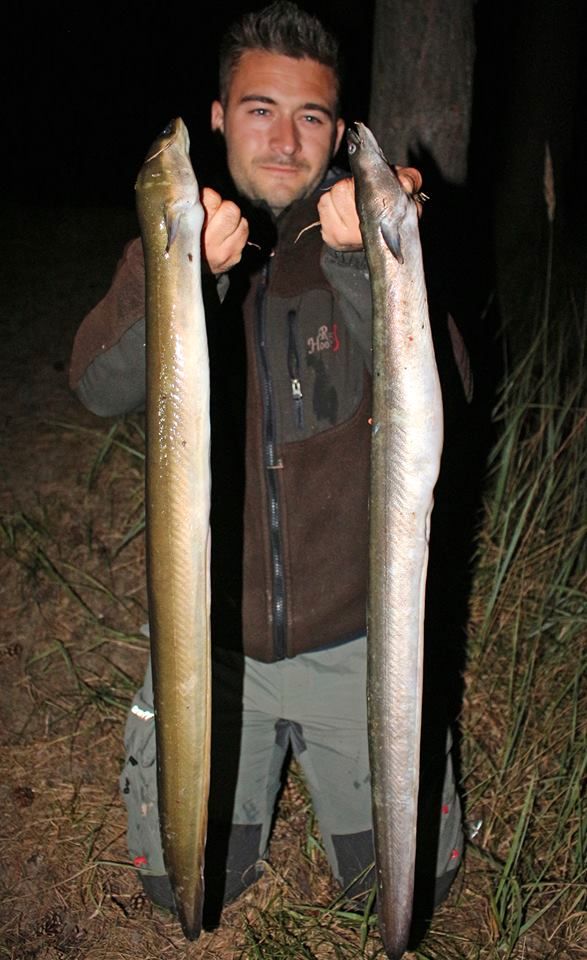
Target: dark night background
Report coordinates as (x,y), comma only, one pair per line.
(88,87)
(91,87)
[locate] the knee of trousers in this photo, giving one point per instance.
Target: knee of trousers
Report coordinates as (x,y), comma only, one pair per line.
(355,867)
(138,787)
(226,874)
(232,863)
(352,861)
(440,843)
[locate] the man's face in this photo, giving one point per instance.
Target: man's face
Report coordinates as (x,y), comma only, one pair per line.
(279,125)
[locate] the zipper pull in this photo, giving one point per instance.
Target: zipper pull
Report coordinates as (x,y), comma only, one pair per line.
(293,366)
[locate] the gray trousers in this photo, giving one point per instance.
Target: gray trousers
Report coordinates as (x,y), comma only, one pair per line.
(314,703)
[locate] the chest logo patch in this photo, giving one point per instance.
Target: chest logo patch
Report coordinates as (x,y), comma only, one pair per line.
(325,339)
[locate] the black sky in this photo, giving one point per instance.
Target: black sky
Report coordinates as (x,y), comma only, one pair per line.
(90,86)
(87,87)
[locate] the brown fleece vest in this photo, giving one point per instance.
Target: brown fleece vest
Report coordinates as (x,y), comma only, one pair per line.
(307,460)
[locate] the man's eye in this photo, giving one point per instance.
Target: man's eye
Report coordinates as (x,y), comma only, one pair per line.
(260,112)
(310,118)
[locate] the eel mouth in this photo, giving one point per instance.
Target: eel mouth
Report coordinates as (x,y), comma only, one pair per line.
(353,138)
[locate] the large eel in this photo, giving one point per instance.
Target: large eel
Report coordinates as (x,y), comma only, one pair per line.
(178,509)
(406,446)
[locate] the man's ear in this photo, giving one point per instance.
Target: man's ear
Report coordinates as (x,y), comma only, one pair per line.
(217,116)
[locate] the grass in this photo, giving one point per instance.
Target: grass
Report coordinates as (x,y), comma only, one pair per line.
(67,560)
(524,722)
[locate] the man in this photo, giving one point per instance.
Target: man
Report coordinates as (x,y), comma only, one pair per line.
(289,606)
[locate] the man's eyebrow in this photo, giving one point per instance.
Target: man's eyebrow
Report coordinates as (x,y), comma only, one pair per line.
(261,98)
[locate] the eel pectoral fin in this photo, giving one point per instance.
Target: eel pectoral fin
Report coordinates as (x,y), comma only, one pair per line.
(390,232)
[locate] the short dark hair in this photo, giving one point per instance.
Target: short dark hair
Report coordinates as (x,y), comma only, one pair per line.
(283,28)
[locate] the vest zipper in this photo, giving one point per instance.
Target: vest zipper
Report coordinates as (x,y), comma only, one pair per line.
(293,366)
(271,466)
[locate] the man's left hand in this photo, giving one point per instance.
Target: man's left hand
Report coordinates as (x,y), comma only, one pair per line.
(339,220)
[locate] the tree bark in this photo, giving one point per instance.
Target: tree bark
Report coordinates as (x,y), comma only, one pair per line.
(422,81)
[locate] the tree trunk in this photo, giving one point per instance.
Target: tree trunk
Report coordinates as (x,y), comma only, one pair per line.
(421,82)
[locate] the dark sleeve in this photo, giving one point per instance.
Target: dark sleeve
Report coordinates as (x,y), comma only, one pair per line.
(107,369)
(114,381)
(348,275)
(108,365)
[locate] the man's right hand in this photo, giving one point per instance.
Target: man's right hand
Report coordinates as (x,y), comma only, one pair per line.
(225,232)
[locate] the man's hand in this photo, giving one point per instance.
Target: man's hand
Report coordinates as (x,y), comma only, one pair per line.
(339,220)
(225,232)
(411,181)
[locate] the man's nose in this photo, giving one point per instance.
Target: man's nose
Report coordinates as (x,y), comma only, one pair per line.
(285,137)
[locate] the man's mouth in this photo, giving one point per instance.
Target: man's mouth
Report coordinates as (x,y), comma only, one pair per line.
(286,169)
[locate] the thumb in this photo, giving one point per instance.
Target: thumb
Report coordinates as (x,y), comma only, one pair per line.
(211,201)
(410,179)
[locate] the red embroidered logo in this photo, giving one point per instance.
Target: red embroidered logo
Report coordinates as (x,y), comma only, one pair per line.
(325,339)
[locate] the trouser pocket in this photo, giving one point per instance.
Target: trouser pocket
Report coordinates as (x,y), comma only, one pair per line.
(138,785)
